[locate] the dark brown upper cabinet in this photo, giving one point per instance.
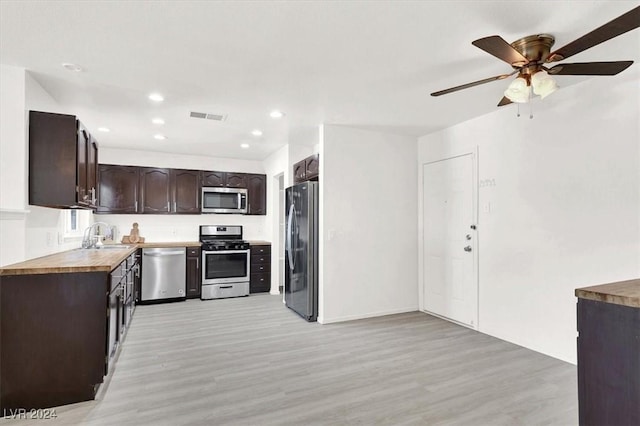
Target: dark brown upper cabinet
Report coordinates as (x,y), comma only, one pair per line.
(155,190)
(299,170)
(257,194)
(118,189)
(150,190)
(61,152)
(236,180)
(224,179)
(214,178)
(306,169)
(312,166)
(185,191)
(92,169)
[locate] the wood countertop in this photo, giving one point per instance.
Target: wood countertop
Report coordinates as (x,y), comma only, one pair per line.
(259,243)
(84,260)
(625,293)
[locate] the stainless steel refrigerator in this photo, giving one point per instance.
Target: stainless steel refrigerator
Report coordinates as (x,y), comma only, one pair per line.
(301,250)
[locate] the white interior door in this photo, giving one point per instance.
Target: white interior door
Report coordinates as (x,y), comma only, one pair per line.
(450,274)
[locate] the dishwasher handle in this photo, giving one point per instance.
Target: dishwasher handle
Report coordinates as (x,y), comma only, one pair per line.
(166,253)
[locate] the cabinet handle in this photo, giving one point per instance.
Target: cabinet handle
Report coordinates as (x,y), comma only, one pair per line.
(168,206)
(175,206)
(197,263)
(136,206)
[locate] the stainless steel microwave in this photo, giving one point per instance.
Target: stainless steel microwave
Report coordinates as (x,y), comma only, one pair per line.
(224,200)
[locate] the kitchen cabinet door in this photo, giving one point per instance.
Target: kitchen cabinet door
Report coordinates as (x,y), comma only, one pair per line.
(155,190)
(312,165)
(236,180)
(83,141)
(185,191)
(194,277)
(117,189)
(299,171)
(214,178)
(57,161)
(92,171)
(257,194)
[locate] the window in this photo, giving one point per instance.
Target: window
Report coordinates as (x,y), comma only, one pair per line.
(74,223)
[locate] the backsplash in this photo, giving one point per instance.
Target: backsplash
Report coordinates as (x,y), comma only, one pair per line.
(160,228)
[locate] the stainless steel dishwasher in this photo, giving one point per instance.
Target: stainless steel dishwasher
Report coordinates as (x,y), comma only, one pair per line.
(163,273)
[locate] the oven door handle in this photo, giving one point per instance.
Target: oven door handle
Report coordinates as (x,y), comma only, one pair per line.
(206,252)
(292,212)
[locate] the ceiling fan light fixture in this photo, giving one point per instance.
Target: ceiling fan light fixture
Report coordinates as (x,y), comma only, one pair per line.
(543,84)
(518,91)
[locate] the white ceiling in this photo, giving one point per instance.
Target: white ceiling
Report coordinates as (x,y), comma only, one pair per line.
(366,64)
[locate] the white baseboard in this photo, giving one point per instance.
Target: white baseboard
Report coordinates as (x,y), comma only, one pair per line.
(323,320)
(450,320)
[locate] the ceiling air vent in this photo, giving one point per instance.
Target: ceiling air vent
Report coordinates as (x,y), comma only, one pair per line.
(214,117)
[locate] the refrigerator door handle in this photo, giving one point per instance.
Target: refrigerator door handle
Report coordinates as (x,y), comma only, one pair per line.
(289,243)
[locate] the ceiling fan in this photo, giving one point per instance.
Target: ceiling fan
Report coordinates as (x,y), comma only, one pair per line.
(529,55)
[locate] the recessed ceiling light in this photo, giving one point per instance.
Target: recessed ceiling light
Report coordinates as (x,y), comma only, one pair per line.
(103,129)
(157,120)
(244,146)
(276,114)
(256,132)
(156,97)
(72,67)
(160,137)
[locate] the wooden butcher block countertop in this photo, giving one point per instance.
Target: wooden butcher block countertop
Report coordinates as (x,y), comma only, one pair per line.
(625,293)
(84,260)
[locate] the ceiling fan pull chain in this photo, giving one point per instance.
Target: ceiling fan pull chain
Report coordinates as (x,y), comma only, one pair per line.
(518,115)
(530,107)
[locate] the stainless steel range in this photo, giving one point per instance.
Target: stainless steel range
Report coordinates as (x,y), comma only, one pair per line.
(225,262)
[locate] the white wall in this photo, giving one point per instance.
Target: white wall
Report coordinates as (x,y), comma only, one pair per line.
(13,152)
(275,165)
(564,211)
(12,164)
(368,224)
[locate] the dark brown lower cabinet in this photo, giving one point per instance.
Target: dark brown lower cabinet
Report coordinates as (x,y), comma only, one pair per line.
(53,338)
(260,268)
(194,277)
(59,334)
(608,363)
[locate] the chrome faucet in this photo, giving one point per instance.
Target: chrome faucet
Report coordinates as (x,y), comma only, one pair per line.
(87,239)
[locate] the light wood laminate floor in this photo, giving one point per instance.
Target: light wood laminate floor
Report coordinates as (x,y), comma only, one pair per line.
(252,361)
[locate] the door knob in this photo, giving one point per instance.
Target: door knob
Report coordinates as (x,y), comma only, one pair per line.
(467,248)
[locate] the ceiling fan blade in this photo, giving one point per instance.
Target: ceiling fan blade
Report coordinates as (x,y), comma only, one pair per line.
(504,101)
(618,26)
(475,83)
(498,47)
(590,68)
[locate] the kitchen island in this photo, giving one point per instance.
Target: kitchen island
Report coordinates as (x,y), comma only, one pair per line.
(609,353)
(63,318)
